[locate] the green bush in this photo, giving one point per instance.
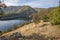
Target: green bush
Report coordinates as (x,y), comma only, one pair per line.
(45,18)
(55,16)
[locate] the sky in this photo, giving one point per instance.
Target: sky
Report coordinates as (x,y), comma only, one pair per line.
(33,3)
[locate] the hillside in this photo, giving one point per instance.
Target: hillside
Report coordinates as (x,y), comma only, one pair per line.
(22,12)
(51,8)
(44,28)
(41,10)
(11,9)
(42,31)
(17,9)
(25,10)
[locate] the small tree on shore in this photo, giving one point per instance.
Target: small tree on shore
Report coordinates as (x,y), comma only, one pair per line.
(36,18)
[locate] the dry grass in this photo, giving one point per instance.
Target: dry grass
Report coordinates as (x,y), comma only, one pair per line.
(44,28)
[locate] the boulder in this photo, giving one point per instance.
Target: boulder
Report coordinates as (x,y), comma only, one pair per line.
(15,36)
(3,38)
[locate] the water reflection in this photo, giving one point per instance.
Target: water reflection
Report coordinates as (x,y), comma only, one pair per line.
(8,24)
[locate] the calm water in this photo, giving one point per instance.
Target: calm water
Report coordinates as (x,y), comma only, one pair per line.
(4,25)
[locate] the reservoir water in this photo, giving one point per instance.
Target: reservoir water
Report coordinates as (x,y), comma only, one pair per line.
(4,25)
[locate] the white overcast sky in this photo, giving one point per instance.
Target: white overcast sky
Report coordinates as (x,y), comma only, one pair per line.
(33,3)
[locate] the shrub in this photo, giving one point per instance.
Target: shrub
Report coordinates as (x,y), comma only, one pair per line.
(0,32)
(55,16)
(36,18)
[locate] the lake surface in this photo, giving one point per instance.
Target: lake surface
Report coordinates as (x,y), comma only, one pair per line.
(4,25)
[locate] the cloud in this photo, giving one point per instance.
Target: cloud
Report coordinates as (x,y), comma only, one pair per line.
(11,2)
(43,3)
(33,3)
